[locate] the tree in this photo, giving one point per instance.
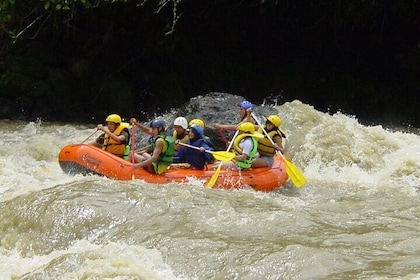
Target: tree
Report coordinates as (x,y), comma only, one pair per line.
(24,20)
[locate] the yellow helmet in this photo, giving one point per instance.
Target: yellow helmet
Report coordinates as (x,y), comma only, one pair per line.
(247,127)
(113,118)
(275,120)
(198,122)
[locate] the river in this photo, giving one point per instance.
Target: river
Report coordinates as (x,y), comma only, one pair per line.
(356,218)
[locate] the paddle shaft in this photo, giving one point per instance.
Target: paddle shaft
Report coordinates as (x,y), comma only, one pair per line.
(191,146)
(219,155)
(89,136)
(213,178)
(231,141)
(133,145)
(143,148)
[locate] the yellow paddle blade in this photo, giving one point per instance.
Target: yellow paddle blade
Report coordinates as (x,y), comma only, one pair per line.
(222,155)
(213,178)
(294,174)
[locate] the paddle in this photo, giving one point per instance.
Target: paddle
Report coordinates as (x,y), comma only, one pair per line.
(142,149)
(292,170)
(133,144)
(89,136)
(213,178)
(218,155)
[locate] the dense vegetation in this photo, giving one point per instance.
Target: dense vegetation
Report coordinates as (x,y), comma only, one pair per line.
(74,60)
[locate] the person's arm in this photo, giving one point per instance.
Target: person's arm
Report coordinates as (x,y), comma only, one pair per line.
(230,127)
(278,143)
(240,157)
(247,147)
(248,116)
(145,129)
(126,135)
(203,148)
(155,155)
(118,138)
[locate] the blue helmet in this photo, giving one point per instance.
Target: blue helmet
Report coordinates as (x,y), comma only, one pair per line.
(198,131)
(245,105)
(158,123)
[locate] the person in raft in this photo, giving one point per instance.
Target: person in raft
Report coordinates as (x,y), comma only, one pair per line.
(244,146)
(162,148)
(201,124)
(115,138)
(180,132)
(266,150)
(196,158)
(245,110)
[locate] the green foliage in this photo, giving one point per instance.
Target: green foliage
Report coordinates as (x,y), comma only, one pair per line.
(5,6)
(115,53)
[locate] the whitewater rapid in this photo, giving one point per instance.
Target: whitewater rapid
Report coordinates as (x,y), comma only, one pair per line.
(357,217)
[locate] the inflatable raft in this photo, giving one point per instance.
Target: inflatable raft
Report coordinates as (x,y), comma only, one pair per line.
(86,159)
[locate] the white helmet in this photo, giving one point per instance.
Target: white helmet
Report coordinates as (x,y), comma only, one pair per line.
(182,122)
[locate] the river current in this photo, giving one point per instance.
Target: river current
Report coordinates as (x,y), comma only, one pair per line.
(356,218)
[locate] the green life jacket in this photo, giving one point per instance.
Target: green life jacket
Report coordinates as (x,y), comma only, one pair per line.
(166,156)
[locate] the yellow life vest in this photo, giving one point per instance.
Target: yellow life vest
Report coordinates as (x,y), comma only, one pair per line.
(116,147)
(265,148)
(183,140)
(248,161)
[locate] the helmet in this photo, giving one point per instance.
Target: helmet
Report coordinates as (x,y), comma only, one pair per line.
(198,122)
(275,120)
(158,123)
(113,118)
(247,127)
(198,131)
(245,105)
(182,122)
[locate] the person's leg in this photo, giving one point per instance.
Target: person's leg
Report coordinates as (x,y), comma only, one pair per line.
(230,165)
(259,162)
(142,157)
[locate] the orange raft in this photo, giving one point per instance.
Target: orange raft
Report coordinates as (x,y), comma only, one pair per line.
(86,159)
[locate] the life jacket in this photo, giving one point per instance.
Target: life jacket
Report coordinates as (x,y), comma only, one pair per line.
(208,141)
(248,161)
(196,158)
(121,149)
(182,138)
(265,147)
(166,156)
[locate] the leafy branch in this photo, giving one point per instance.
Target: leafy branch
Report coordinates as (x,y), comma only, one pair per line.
(17,19)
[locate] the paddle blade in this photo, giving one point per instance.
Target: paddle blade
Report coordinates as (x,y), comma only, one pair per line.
(294,174)
(213,178)
(222,155)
